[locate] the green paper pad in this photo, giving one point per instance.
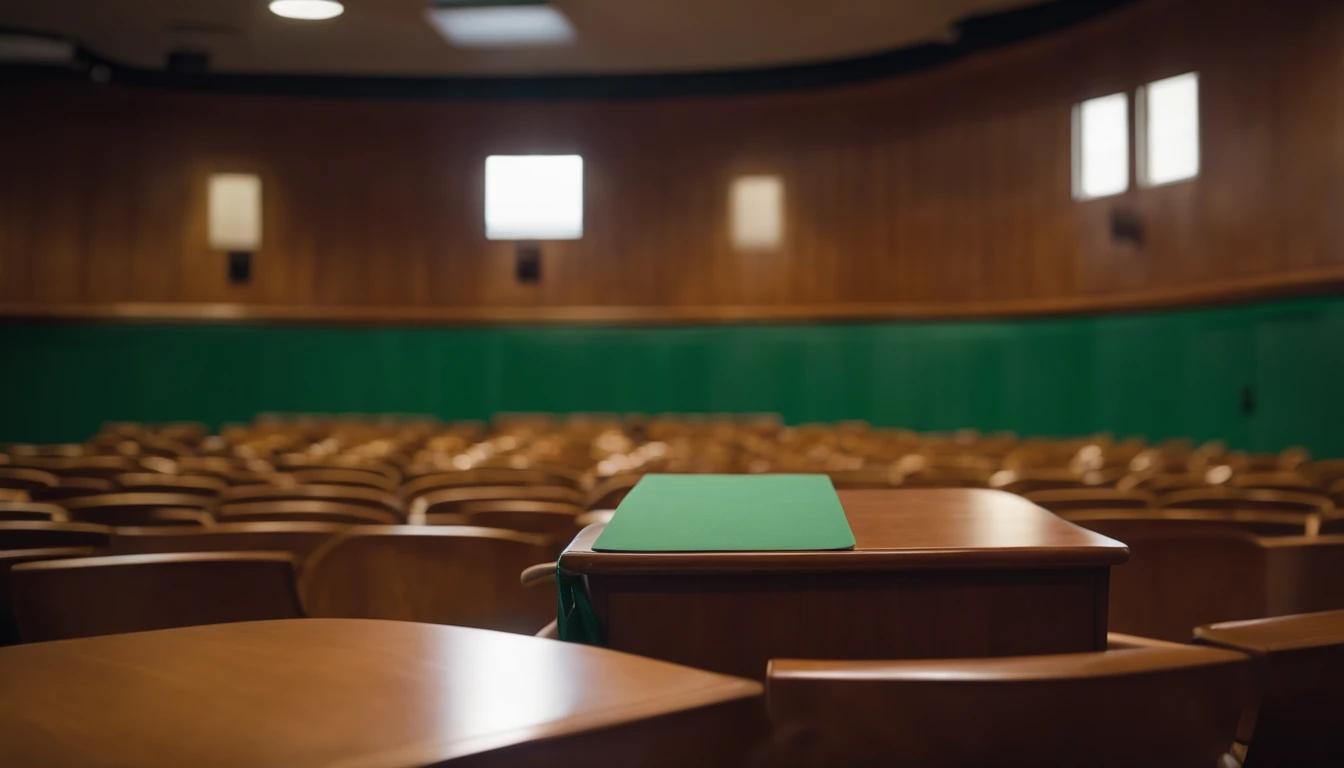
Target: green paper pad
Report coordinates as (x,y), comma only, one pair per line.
(728,513)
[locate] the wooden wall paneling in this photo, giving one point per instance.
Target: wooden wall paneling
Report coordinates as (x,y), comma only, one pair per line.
(944,193)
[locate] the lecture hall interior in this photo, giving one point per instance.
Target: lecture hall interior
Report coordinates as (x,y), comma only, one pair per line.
(762,383)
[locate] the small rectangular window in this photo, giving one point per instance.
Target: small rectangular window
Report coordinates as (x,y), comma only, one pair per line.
(1101,147)
(534,197)
(757,209)
(235,212)
(1168,117)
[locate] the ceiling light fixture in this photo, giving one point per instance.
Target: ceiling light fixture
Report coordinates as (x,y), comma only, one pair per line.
(307,10)
(518,23)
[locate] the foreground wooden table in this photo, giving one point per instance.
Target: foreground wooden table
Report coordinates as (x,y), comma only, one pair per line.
(356,693)
(941,573)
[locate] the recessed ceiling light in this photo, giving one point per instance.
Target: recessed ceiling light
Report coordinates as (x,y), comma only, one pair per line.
(502,26)
(308,10)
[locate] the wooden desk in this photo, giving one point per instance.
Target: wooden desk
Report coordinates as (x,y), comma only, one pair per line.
(356,694)
(941,573)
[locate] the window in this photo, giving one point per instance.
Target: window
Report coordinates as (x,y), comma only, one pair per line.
(235,212)
(1168,130)
(1101,147)
(534,197)
(757,210)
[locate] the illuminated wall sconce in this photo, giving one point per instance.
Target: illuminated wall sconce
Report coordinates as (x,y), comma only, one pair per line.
(235,220)
(757,210)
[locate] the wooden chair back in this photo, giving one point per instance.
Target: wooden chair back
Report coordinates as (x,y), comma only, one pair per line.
(157,482)
(142,509)
(31,510)
(344,494)
(9,629)
(361,478)
(1258,523)
(74,488)
(551,519)
(1181,574)
(1296,482)
(39,534)
(1224,497)
(1160,707)
(484,476)
(298,539)
(608,493)
(83,597)
(1072,499)
(1297,701)
(442,575)
(451,499)
(306,511)
(1305,574)
(25,479)
(13,494)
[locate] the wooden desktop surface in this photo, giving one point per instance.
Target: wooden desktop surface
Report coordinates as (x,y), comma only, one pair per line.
(357,693)
(951,528)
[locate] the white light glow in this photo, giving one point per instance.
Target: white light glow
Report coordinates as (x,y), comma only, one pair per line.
(1101,147)
(307,10)
(534,197)
(502,26)
(1169,146)
(235,212)
(758,212)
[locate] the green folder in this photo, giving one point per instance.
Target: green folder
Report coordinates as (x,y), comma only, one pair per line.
(728,513)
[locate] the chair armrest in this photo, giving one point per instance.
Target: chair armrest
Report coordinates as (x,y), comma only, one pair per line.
(538,574)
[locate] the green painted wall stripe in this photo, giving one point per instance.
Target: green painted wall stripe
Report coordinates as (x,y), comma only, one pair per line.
(1157,375)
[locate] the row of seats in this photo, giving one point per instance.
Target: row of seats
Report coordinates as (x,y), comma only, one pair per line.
(461,575)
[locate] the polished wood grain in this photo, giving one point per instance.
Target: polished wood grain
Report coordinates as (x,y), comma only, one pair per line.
(950,528)
(442,574)
(358,694)
(942,194)
(1170,706)
(299,539)
(9,629)
(1296,711)
(89,596)
(934,574)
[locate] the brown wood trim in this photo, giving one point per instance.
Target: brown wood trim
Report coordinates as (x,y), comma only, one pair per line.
(1238,290)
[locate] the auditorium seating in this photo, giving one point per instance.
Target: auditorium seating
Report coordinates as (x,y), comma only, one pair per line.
(1155,706)
(1297,702)
(31,510)
(445,575)
(37,534)
(82,597)
(9,630)
(299,539)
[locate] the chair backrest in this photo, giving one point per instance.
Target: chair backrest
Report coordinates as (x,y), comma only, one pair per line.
(1070,499)
(13,494)
(1181,574)
(1305,574)
(157,482)
(345,494)
(485,476)
(134,593)
(552,519)
(31,510)
(25,479)
(74,488)
(9,630)
(608,493)
(298,539)
(132,508)
(1256,522)
(38,534)
(1298,702)
(307,511)
(1275,481)
(443,575)
(451,499)
(1223,497)
(1169,707)
(363,478)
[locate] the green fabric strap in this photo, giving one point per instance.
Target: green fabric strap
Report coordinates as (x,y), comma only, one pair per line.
(578,622)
